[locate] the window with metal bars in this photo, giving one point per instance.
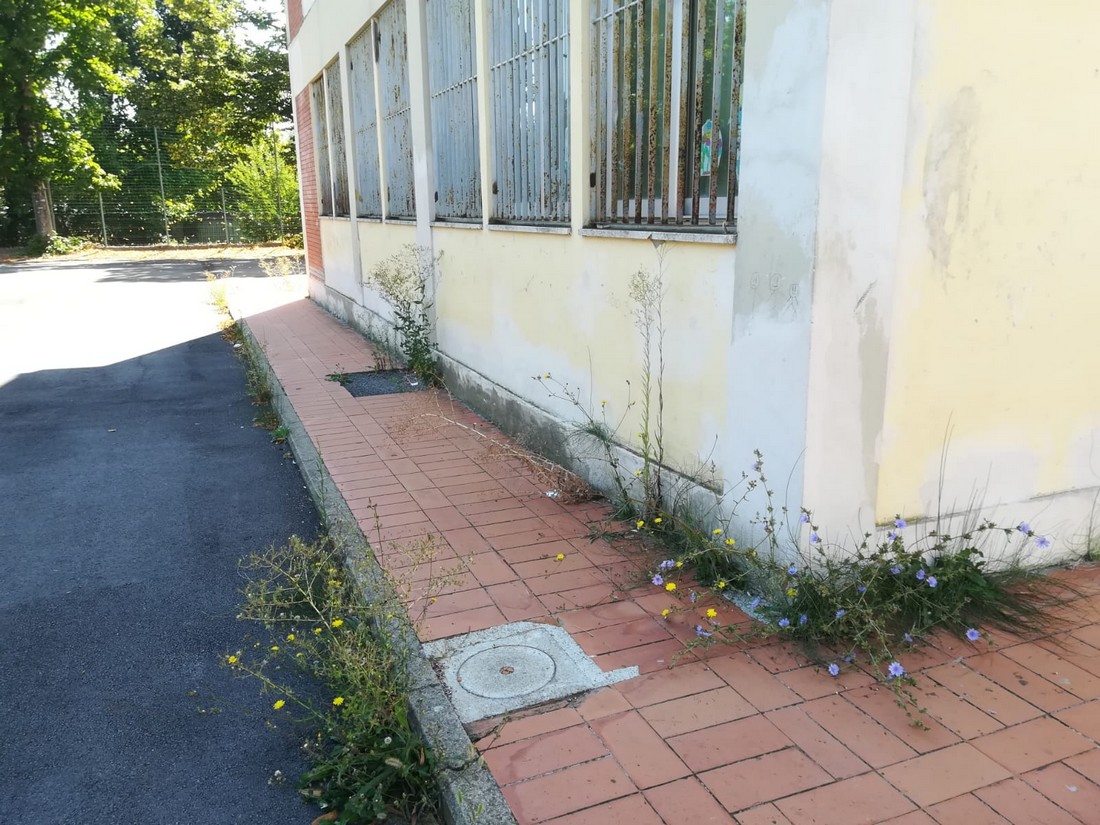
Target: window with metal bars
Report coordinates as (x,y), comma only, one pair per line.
(667,111)
(364,124)
(395,108)
(327,104)
(529,110)
(452,81)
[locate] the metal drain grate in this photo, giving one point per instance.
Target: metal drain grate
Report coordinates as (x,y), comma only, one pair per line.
(381,382)
(515,666)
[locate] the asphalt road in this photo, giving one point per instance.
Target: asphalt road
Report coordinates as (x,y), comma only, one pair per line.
(131,483)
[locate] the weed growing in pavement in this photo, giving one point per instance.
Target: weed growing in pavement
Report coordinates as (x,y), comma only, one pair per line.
(366,759)
(280,434)
(404,280)
(861,605)
(341,378)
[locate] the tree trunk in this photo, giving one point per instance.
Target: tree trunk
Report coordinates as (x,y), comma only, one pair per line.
(43,211)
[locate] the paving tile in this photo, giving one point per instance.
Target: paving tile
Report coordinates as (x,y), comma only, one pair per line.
(766,814)
(881,704)
(516,601)
(911,818)
(604,615)
(524,524)
(538,724)
(588,596)
(860,800)
(650,658)
(446,518)
(456,624)
(944,774)
(542,754)
(664,685)
(728,743)
(1018,679)
(458,602)
(776,658)
(621,636)
(1021,804)
(686,802)
(986,695)
(466,541)
(1073,650)
(865,737)
(569,790)
(639,749)
(1087,764)
(953,712)
(603,702)
(702,710)
(562,582)
(1084,719)
(750,680)
(631,810)
(1032,744)
(1055,669)
(965,810)
(549,563)
(489,569)
(815,682)
(1068,789)
(763,779)
(816,742)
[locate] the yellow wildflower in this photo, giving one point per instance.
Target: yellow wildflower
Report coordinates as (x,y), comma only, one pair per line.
(721,584)
(717,531)
(792,592)
(274,648)
(290,637)
(560,556)
(712,613)
(279,705)
(640,524)
(679,564)
(670,587)
(339,700)
(337,623)
(637,472)
(665,612)
(658,520)
(603,403)
(731,543)
(316,630)
(233,660)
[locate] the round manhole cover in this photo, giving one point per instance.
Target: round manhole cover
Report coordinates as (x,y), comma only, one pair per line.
(505,672)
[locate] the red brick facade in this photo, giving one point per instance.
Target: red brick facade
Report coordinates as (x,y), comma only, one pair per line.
(307,177)
(293,18)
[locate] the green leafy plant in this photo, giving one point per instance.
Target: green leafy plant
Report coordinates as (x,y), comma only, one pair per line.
(280,434)
(366,759)
(403,280)
(341,378)
(58,245)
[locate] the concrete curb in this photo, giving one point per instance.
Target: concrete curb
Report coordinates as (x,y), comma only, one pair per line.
(468,793)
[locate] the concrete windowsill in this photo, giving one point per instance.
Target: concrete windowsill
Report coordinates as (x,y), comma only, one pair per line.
(455,225)
(541,230)
(648,233)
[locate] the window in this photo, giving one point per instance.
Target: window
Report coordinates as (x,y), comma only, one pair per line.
(320,143)
(529,109)
(327,103)
(395,110)
(364,123)
(667,100)
(452,81)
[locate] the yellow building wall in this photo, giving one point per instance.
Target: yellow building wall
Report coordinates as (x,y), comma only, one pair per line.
(514,305)
(994,345)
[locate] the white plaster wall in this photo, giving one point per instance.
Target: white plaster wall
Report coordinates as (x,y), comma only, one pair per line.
(339,251)
(862,171)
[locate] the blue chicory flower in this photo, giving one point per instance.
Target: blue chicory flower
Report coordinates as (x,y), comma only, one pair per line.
(895,569)
(861,589)
(667,564)
(895,670)
(834,669)
(851,657)
(840,612)
(694,597)
(699,631)
(755,603)
(1042,542)
(932,581)
(658,579)
(892,536)
(805,518)
(908,639)
(1023,527)
(803,619)
(973,635)
(921,575)
(815,538)
(901,523)
(784,622)
(792,570)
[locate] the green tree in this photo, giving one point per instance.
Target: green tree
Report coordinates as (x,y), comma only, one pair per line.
(265,188)
(77,78)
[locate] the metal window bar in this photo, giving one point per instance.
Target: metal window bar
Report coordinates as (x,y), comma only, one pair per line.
(396,110)
(529,85)
(452,81)
(336,139)
(320,144)
(666,131)
(364,120)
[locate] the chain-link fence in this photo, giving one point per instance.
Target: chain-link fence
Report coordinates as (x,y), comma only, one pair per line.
(152,199)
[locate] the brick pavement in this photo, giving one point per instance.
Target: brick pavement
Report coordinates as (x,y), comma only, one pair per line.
(750,733)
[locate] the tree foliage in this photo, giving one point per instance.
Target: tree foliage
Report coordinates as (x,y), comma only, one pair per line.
(78,77)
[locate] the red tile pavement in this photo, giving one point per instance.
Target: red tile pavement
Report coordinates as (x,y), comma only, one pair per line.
(751,733)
